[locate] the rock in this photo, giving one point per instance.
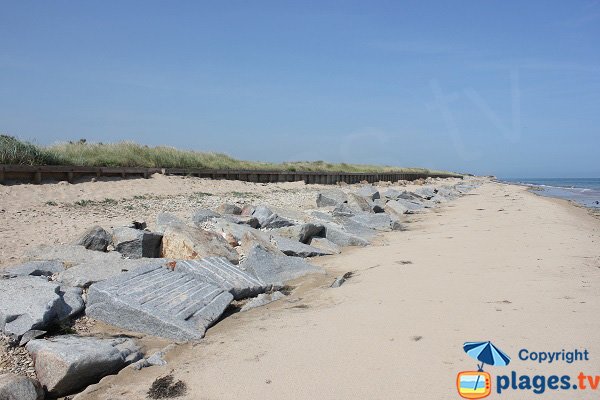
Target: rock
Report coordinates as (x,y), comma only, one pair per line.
(247,209)
(358,203)
(183,242)
(294,248)
(378,222)
(302,233)
(223,274)
(243,220)
(411,206)
(268,219)
(326,245)
(262,300)
(275,269)
(426,192)
(378,206)
(392,194)
(69,255)
(156,359)
(158,301)
(229,209)
(337,233)
(18,387)
(369,192)
(35,268)
(30,335)
(201,216)
(396,208)
(134,243)
(343,210)
(83,275)
(331,197)
(67,364)
(358,228)
(73,302)
(95,238)
(233,232)
(29,303)
(166,220)
(340,280)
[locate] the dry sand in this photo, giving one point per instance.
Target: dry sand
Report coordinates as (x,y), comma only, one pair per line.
(499,264)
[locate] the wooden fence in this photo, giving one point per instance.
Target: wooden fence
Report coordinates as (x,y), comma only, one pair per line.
(37,174)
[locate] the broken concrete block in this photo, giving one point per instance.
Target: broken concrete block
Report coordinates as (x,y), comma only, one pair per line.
(223,274)
(158,301)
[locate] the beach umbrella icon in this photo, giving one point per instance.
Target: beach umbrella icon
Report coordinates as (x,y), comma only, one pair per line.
(487,353)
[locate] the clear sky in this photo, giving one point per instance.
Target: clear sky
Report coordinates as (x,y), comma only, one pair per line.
(510,88)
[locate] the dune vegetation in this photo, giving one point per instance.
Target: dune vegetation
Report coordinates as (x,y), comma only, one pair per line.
(129,154)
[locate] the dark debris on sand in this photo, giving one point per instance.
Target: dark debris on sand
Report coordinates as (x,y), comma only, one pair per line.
(166,388)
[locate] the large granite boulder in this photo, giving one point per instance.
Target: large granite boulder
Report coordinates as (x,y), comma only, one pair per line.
(32,303)
(344,210)
(227,208)
(294,248)
(302,233)
(95,238)
(359,203)
(34,268)
(243,220)
(394,207)
(369,192)
(69,255)
(184,242)
(268,219)
(378,206)
(378,222)
(135,243)
(326,245)
(67,364)
(200,216)
(426,192)
(331,197)
(166,220)
(275,268)
(158,301)
(412,206)
(223,274)
(18,387)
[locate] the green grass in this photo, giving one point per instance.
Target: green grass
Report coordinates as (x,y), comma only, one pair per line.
(129,154)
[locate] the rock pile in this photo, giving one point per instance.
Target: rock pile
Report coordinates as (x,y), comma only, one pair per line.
(176,281)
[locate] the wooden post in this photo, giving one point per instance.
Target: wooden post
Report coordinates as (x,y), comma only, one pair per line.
(2,176)
(37,177)
(70,177)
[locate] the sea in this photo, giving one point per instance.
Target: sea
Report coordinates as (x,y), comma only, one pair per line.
(585,191)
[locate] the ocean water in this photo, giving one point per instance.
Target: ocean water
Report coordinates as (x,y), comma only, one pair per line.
(585,191)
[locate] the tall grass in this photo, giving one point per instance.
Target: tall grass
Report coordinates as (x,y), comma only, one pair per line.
(129,154)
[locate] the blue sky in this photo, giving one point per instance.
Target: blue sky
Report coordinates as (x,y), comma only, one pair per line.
(509,88)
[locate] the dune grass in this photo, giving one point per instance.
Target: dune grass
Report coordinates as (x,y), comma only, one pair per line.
(129,154)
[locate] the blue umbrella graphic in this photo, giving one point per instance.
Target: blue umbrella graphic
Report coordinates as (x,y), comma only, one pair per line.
(487,353)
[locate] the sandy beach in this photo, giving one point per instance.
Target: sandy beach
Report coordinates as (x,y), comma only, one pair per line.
(498,264)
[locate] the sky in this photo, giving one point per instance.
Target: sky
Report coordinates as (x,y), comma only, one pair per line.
(508,88)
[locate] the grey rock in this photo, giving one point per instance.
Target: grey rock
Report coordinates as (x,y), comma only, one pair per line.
(243,220)
(359,203)
(73,302)
(378,206)
(343,210)
(268,219)
(156,359)
(29,303)
(392,194)
(358,228)
(165,220)
(302,233)
(35,268)
(30,335)
(95,238)
(229,209)
(275,269)
(293,248)
(326,245)
(183,242)
(67,364)
(426,192)
(247,209)
(337,234)
(262,300)
(18,387)
(233,233)
(369,192)
(410,205)
(70,255)
(201,216)
(158,301)
(396,208)
(221,273)
(379,222)
(135,243)
(331,197)
(340,280)
(83,275)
